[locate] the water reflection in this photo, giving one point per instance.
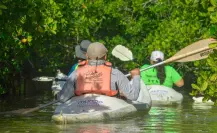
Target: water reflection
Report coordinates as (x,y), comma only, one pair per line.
(174,119)
(203,106)
(163,119)
(187,117)
(159,119)
(120,126)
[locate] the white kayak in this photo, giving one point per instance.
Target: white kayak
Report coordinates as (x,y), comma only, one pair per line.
(199,100)
(94,107)
(162,95)
(202,105)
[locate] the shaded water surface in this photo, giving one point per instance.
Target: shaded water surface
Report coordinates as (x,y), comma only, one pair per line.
(183,118)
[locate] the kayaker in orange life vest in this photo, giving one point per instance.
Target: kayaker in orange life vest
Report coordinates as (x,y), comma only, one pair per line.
(96,75)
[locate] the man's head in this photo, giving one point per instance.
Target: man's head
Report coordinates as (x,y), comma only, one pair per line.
(157,56)
(81,50)
(96,51)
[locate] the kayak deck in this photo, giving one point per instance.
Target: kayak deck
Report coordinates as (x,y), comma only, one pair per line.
(95,107)
(162,95)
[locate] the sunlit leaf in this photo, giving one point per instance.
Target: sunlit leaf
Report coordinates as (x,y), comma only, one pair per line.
(54,32)
(29,38)
(195,86)
(211,9)
(54,26)
(213,78)
(204,86)
(49,20)
(212,45)
(3,6)
(213,2)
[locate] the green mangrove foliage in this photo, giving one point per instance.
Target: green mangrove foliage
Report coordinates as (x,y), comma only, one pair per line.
(2,7)
(207,80)
(42,34)
(206,83)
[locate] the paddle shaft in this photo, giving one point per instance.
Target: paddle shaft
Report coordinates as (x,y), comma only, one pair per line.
(39,107)
(174,58)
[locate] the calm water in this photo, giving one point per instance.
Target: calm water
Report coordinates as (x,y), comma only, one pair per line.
(184,118)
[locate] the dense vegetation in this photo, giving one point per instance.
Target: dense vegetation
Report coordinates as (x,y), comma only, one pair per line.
(43,33)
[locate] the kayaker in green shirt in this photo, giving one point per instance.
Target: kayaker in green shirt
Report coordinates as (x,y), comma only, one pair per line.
(161,75)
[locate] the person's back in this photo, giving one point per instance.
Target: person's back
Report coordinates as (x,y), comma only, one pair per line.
(97,76)
(150,76)
(161,75)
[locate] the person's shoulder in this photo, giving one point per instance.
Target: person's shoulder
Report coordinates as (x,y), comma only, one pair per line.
(76,64)
(116,71)
(170,67)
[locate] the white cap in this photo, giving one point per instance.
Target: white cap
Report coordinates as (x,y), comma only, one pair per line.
(156,55)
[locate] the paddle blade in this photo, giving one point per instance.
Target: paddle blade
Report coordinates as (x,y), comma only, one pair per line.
(202,44)
(44,79)
(122,53)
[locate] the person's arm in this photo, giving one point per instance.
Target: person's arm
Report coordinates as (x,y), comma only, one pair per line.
(68,89)
(180,83)
(177,79)
(130,90)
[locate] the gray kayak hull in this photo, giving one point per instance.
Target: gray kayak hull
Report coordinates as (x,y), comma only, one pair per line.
(94,107)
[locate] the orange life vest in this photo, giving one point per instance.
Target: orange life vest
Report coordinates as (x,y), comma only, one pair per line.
(94,79)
